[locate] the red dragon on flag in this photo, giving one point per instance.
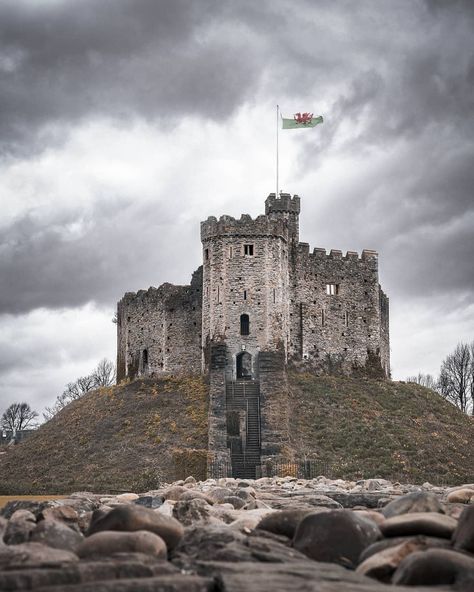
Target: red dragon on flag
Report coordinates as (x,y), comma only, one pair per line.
(304,118)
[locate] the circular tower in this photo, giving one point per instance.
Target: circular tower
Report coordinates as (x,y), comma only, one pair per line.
(246,284)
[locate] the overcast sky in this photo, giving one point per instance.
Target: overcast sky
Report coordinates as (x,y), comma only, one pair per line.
(123,123)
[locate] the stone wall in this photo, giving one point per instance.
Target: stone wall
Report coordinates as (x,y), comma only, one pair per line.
(159,330)
(336,309)
(274,403)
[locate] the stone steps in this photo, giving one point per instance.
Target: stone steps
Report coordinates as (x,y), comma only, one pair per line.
(245,395)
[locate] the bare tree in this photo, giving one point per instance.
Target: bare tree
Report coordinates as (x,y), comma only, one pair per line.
(17,417)
(104,374)
(427,380)
(456,380)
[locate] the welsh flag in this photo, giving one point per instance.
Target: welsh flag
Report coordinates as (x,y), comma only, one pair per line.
(301,120)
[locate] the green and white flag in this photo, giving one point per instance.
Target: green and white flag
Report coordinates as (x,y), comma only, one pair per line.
(301,120)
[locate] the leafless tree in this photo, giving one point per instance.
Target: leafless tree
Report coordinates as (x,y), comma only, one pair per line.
(104,374)
(17,417)
(427,380)
(456,380)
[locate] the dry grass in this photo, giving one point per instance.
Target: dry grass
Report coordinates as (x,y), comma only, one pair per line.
(378,428)
(112,439)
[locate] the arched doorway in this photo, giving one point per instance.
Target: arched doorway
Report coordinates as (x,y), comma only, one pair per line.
(244,366)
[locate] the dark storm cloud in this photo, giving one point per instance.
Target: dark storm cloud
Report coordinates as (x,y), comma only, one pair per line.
(401,74)
(79,255)
(61,62)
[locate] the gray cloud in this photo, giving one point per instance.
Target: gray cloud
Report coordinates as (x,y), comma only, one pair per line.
(64,62)
(396,83)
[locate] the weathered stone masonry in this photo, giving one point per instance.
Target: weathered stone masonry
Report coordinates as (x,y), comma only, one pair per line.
(263,300)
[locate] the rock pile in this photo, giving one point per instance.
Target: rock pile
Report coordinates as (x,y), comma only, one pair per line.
(228,535)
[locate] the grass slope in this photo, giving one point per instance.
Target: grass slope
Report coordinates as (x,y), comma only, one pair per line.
(131,437)
(119,438)
(376,428)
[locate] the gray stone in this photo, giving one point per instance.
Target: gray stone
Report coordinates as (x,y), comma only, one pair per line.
(418,501)
(437,567)
(237,502)
(33,554)
(19,527)
(383,564)
(336,536)
(131,517)
(121,566)
(428,523)
(149,501)
(426,541)
(463,536)
(283,522)
(192,511)
(57,535)
(110,542)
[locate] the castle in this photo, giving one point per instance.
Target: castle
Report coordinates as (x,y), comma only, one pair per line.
(260,301)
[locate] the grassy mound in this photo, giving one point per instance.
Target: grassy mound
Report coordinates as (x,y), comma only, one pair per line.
(132,437)
(126,437)
(376,428)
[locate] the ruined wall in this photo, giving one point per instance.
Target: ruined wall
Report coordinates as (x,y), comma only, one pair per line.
(335,331)
(236,282)
(159,330)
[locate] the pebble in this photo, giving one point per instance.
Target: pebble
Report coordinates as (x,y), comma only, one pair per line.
(463,536)
(461,496)
(436,567)
(109,543)
(284,522)
(335,536)
(418,501)
(57,535)
(19,528)
(130,518)
(428,523)
(272,533)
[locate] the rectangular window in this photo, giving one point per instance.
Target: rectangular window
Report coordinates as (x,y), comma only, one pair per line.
(230,252)
(206,254)
(274,295)
(332,289)
(218,295)
(248,250)
(346,319)
(245,294)
(323,318)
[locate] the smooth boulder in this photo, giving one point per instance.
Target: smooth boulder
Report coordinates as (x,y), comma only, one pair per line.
(336,536)
(417,501)
(463,536)
(427,523)
(104,544)
(57,535)
(130,518)
(436,567)
(283,522)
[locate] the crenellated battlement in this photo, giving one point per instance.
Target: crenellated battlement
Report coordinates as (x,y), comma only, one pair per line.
(283,203)
(318,252)
(244,226)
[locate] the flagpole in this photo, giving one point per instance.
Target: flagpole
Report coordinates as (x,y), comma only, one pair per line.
(277,122)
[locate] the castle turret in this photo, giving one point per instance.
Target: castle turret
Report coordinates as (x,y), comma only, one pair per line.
(287,208)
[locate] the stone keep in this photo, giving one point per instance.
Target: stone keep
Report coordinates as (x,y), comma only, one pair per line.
(260,290)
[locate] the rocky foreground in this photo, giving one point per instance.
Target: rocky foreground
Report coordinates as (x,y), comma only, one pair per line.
(228,535)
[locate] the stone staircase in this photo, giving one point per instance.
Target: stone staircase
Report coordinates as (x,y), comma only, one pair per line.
(245,395)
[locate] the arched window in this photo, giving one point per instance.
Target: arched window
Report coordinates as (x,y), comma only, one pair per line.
(244,324)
